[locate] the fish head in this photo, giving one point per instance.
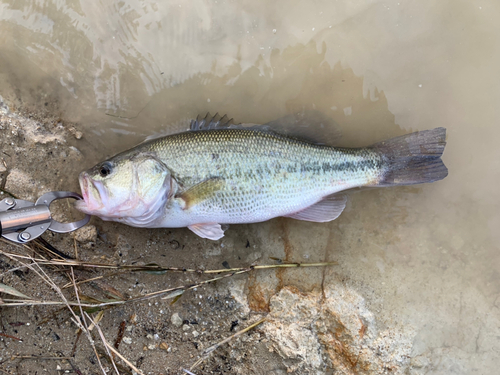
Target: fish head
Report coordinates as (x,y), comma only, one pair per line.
(131,188)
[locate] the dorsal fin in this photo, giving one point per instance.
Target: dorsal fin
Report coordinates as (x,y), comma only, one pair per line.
(309,125)
(210,123)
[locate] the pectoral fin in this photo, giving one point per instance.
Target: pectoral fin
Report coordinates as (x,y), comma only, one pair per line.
(212,231)
(202,191)
(327,209)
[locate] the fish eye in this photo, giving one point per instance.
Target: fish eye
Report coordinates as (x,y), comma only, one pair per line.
(105,169)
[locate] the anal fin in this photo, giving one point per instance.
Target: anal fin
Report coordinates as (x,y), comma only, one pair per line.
(212,231)
(327,209)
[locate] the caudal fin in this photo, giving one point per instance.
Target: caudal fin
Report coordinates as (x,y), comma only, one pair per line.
(413,158)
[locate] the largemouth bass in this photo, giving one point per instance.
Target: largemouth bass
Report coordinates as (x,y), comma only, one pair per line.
(218,173)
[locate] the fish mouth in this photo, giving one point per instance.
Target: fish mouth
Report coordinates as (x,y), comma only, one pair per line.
(93,193)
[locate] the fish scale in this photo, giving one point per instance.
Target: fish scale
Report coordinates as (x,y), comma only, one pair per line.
(266,174)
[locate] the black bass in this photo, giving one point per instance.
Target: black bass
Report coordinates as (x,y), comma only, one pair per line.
(218,173)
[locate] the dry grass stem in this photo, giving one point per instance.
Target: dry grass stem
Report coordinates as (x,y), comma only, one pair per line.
(86,329)
(95,324)
(157,268)
(110,347)
(165,293)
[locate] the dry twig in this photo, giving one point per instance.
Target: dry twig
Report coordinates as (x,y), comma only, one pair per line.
(110,347)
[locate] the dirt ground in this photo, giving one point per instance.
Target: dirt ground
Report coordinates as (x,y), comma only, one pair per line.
(316,323)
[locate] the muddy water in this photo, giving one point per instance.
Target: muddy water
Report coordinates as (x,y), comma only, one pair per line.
(424,256)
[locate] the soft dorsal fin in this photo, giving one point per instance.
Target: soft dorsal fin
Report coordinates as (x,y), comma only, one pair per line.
(210,122)
(327,209)
(201,191)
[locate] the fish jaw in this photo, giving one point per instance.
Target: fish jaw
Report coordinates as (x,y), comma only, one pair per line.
(94,196)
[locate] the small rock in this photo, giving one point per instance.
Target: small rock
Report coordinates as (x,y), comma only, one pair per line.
(4,108)
(76,133)
(186,327)
(133,318)
(127,340)
(237,290)
(176,320)
(195,333)
(21,184)
(74,150)
(420,362)
(151,346)
(86,234)
(164,346)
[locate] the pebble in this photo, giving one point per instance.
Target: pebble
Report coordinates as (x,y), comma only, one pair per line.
(76,133)
(86,234)
(127,340)
(176,320)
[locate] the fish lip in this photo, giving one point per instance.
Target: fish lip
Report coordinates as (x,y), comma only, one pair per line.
(88,205)
(83,204)
(84,186)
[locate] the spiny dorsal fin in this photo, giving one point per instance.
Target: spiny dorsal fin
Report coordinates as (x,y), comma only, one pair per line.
(210,123)
(201,191)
